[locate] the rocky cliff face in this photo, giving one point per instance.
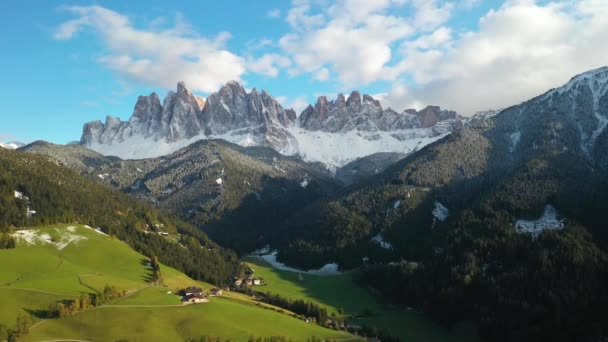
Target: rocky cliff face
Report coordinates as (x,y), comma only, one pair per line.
(179,117)
(248,118)
(366,114)
(332,132)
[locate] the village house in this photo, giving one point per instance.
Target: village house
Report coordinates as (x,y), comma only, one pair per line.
(257,281)
(192,290)
(216,291)
(196,298)
(238,281)
(194,294)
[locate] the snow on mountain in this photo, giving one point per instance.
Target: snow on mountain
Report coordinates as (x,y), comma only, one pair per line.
(549,220)
(333,132)
(440,212)
(338,149)
(11,145)
(591,88)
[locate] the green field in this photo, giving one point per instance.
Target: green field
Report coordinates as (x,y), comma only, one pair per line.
(340,293)
(222,317)
(39,272)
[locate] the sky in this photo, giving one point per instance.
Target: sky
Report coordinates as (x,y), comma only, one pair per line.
(65,63)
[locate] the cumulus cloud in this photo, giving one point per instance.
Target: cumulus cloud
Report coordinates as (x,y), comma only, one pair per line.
(269,64)
(157,57)
(354,39)
(298,103)
(520,50)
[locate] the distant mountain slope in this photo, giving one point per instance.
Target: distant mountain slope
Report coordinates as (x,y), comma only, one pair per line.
(237,194)
(361,169)
(11,145)
(332,132)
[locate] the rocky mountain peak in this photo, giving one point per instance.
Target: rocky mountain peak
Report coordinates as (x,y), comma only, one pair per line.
(177,118)
(364,113)
(353,103)
(257,118)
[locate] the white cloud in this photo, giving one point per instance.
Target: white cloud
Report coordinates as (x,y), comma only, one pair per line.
(430,14)
(274,13)
(354,39)
(298,103)
(321,74)
(157,57)
(268,64)
(520,50)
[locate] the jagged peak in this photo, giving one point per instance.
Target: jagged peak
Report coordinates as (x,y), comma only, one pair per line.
(181,87)
(355,95)
(112,120)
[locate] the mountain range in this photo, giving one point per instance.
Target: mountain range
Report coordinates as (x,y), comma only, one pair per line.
(332,132)
(499,218)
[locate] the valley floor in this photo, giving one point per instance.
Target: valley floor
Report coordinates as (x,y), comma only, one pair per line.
(340,295)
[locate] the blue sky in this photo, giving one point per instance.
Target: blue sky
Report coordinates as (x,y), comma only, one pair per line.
(65,63)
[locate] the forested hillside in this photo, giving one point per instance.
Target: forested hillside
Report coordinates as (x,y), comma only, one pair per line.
(59,195)
(240,196)
(503,222)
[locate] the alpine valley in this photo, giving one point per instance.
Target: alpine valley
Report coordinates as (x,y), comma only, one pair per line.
(347,221)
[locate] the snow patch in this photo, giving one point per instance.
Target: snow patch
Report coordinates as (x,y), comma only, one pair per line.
(549,220)
(328,269)
(28,236)
(338,149)
(379,238)
(36,237)
(514,141)
(397,204)
(219,181)
(304,183)
(440,212)
(19,195)
(11,145)
(103,175)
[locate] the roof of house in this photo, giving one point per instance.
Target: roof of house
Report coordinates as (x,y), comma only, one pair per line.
(193,289)
(195,295)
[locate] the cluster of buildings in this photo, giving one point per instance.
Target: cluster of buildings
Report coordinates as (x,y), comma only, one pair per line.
(195,294)
(248,280)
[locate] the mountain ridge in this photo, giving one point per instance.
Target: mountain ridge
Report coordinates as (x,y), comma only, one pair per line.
(257,118)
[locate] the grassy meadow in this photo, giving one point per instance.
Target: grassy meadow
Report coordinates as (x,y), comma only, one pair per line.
(60,262)
(340,295)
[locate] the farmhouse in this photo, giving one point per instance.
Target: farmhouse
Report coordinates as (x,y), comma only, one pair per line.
(196,298)
(216,291)
(192,290)
(194,294)
(238,281)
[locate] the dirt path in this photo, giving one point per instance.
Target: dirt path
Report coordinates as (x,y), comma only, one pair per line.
(39,291)
(146,306)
